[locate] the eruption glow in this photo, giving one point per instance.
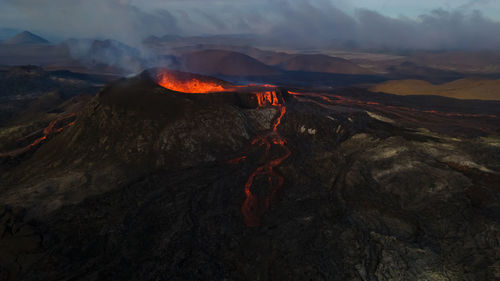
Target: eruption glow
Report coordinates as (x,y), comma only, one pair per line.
(189,85)
(251,208)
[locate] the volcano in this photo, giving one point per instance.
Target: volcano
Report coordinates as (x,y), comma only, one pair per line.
(26,37)
(179,176)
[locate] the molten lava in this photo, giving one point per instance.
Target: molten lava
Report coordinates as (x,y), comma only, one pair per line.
(237,160)
(56,126)
(188,85)
(267,98)
(251,208)
(197,84)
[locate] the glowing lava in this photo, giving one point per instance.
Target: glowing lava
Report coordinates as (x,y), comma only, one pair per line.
(54,127)
(197,84)
(188,84)
(251,208)
(267,98)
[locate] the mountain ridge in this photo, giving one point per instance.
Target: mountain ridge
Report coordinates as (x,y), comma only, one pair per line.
(25,38)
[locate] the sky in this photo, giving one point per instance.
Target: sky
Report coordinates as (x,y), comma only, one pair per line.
(424,24)
(395,8)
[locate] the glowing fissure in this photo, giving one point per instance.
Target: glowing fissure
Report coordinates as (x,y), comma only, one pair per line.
(54,127)
(237,160)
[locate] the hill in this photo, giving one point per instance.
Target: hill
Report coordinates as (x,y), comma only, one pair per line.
(221,62)
(322,63)
(26,37)
(467,88)
(487,62)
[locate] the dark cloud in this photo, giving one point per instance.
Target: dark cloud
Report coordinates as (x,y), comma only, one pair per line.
(475,3)
(305,24)
(90,18)
(439,29)
(293,23)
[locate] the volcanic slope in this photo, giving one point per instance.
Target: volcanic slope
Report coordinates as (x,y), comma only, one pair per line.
(151,184)
(31,99)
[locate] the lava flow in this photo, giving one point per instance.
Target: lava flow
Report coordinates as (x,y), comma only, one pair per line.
(252,208)
(54,127)
(188,84)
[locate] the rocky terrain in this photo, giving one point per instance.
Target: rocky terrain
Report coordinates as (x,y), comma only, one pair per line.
(146,183)
(467,88)
(31,98)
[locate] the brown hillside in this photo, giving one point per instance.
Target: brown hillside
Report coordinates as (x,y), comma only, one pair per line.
(468,88)
(221,62)
(323,63)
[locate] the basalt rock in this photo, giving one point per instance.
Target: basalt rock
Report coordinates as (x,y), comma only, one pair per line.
(140,188)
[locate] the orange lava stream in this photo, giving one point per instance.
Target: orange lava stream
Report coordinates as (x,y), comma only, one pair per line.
(251,208)
(49,130)
(237,160)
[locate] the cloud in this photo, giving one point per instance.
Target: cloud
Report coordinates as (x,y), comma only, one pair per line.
(296,23)
(439,29)
(318,23)
(90,18)
(475,3)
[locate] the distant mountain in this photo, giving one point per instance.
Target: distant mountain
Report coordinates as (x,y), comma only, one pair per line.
(322,63)
(410,70)
(460,61)
(6,33)
(172,41)
(222,62)
(166,38)
(467,88)
(265,56)
(47,55)
(105,55)
(26,37)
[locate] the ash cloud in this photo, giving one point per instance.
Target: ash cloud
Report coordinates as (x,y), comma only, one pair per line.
(316,23)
